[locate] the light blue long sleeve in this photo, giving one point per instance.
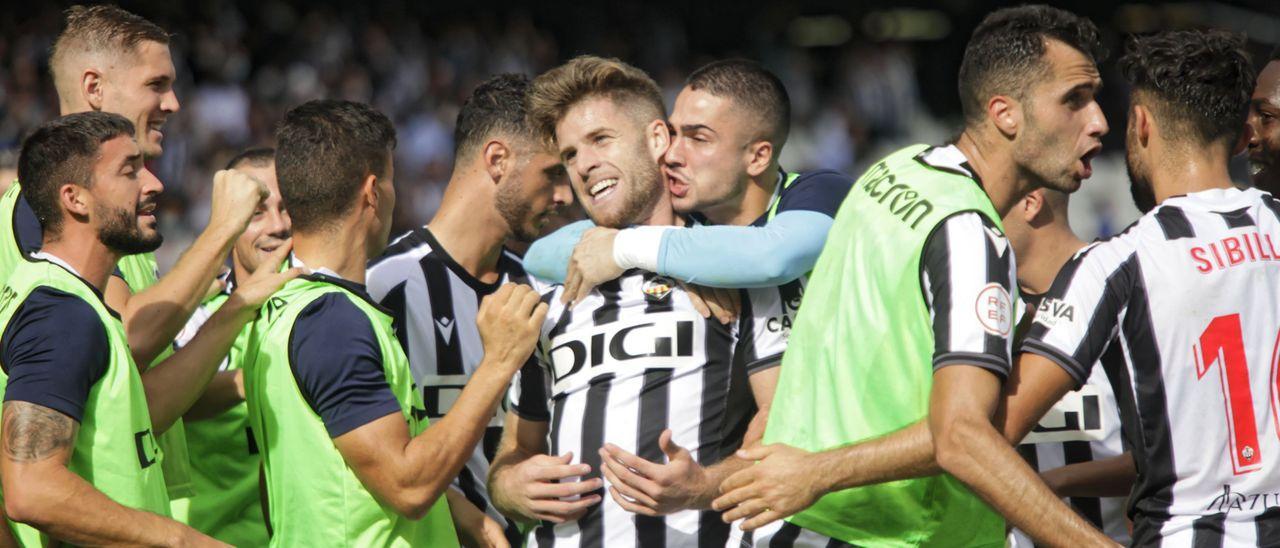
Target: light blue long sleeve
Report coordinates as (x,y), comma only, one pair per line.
(548,257)
(716,256)
(746,256)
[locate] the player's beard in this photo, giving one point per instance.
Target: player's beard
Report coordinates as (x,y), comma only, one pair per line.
(1040,156)
(120,232)
(516,211)
(644,187)
(1144,196)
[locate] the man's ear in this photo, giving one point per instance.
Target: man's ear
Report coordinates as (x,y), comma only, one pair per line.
(1032,205)
(1143,124)
(369,191)
(658,134)
(759,157)
(1006,114)
(75,199)
(91,88)
(497,158)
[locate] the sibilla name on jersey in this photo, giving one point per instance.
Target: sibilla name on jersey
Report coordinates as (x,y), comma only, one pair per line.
(1234,251)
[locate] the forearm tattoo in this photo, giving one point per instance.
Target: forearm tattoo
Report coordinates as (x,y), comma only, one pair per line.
(33,433)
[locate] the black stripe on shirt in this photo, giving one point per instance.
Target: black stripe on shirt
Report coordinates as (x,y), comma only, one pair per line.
(395,302)
(655,398)
(1076,452)
(936,264)
(727,407)
(546,532)
(1154,487)
(439,292)
(1208,531)
(593,426)
(1238,218)
(608,311)
(1268,528)
(1173,221)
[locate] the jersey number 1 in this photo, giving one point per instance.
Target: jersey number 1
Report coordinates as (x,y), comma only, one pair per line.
(1222,342)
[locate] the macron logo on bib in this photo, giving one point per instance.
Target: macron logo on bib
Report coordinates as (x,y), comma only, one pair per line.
(445,327)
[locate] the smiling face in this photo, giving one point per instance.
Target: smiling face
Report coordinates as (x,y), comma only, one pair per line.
(268,229)
(706,165)
(124,196)
(1062,123)
(1264,129)
(139,86)
(612,166)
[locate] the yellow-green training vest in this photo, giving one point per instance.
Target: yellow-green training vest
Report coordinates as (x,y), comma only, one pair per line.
(139,273)
(224,472)
(859,361)
(115,449)
(314,499)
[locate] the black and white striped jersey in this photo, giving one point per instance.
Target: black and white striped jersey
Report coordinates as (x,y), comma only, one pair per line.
(434,301)
(1186,302)
(1082,427)
(635,358)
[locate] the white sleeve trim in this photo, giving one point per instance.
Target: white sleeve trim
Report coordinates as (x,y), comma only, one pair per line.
(639,247)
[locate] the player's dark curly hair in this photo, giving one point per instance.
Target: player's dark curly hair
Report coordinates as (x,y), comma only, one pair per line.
(497,106)
(324,150)
(1196,83)
(1005,55)
(63,151)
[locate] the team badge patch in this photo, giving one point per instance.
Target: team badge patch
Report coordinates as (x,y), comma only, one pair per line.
(657,288)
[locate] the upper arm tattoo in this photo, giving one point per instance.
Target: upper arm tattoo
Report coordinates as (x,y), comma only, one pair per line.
(33,432)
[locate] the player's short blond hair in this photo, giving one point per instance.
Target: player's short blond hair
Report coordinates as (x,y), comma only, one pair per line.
(559,89)
(98,30)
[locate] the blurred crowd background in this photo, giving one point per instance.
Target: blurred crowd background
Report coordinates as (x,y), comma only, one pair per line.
(864,77)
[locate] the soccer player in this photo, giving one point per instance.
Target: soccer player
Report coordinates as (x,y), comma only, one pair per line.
(80,460)
(729,125)
(901,357)
(631,374)
(227,505)
(340,424)
(1076,444)
(1264,127)
(107,59)
(506,183)
(1188,296)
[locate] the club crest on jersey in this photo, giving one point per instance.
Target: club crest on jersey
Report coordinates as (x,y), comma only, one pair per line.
(657,288)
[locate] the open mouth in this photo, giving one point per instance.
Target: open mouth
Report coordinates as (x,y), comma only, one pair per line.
(602,188)
(677,186)
(1086,161)
(147,212)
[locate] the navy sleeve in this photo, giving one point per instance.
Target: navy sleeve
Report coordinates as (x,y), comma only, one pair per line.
(54,350)
(337,362)
(822,191)
(27,226)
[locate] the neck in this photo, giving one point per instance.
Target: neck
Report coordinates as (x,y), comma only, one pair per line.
(1001,179)
(662,213)
(745,208)
(82,251)
(1178,174)
(1041,263)
(341,249)
(468,226)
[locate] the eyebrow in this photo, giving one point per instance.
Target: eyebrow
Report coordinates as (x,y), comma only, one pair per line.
(690,128)
(134,160)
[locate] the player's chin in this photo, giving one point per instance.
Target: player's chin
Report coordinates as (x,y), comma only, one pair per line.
(684,205)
